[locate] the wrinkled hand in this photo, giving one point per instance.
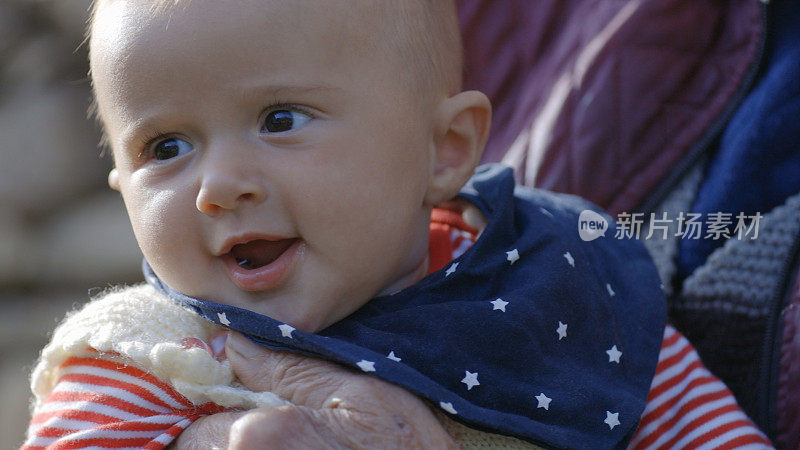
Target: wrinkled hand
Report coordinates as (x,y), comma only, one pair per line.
(332,407)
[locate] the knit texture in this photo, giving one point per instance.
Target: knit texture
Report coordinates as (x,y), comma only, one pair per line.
(745,276)
(731,298)
(145,328)
(471,439)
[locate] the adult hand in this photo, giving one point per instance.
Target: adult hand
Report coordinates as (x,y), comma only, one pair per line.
(332,407)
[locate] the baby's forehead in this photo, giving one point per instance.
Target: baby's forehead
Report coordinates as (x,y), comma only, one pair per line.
(368,17)
(422,35)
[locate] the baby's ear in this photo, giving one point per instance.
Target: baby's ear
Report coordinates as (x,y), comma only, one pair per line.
(113,179)
(461,128)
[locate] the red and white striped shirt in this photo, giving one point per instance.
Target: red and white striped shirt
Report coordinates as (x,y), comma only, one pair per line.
(688,407)
(104,404)
(99,403)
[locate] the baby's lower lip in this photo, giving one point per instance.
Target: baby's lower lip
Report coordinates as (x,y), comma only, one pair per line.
(264,277)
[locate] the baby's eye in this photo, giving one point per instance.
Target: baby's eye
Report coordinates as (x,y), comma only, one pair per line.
(170,148)
(282,120)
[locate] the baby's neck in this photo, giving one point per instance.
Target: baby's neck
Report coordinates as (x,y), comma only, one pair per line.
(471,215)
(409,278)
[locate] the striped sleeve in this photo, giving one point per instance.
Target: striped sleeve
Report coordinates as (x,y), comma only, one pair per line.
(450,237)
(99,404)
(689,408)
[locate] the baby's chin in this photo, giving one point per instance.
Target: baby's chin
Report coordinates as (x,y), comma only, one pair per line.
(310,307)
(311,322)
(300,312)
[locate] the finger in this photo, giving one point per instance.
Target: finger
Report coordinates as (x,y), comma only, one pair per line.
(285,427)
(217,344)
(348,408)
(300,379)
(193,342)
(207,432)
(293,427)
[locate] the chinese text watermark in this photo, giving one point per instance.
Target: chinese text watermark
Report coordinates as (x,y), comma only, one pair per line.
(715,226)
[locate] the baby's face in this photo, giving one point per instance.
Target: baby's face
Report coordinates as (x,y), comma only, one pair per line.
(268,156)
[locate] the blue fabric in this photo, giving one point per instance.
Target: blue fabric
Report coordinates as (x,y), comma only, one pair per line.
(446,328)
(757,164)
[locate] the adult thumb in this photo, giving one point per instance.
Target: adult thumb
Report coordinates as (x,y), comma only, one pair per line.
(302,380)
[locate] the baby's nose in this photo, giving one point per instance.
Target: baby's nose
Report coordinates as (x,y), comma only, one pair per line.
(225,187)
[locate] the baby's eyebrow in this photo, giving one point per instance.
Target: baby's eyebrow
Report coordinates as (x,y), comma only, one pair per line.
(284,90)
(134,131)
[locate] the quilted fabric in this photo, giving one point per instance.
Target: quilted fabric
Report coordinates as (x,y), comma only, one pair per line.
(602,99)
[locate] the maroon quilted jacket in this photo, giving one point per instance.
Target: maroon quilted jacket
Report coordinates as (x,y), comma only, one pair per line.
(616,101)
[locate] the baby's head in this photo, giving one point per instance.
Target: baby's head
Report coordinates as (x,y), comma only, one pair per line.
(283,156)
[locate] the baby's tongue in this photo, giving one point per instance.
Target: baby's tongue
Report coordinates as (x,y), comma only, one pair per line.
(260,252)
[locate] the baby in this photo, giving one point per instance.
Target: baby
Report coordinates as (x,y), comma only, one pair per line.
(280,162)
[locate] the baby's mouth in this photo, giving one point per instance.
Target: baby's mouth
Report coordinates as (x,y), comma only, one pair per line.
(259,253)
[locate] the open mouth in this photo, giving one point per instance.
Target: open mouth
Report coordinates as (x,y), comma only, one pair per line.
(259,253)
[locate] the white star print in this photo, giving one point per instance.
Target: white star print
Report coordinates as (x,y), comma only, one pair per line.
(470,379)
(546,212)
(447,406)
(613,354)
(561,330)
(512,256)
(451,270)
(499,304)
(366,366)
(570,259)
(544,401)
(286,330)
(661,286)
(612,419)
(610,291)
(393,358)
(223,319)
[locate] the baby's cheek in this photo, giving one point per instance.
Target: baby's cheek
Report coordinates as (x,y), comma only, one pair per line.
(151,211)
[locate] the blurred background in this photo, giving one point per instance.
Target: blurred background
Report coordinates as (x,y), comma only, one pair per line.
(63,232)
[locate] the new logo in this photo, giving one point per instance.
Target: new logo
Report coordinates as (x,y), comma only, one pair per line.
(591,225)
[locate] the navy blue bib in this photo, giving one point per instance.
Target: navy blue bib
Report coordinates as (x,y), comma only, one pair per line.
(532,332)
